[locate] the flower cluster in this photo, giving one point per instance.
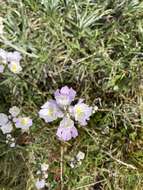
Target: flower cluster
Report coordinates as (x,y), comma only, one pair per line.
(43,175)
(12,59)
(61,108)
(10,140)
(7,123)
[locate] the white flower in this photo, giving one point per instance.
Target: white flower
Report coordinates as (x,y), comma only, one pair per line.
(116,88)
(8,136)
(1,68)
(45,175)
(80,156)
(95,108)
(40,184)
(23,123)
(44,167)
(79,162)
(3,119)
(14,111)
(12,139)
(12,145)
(38,172)
(72,164)
(15,67)
(7,128)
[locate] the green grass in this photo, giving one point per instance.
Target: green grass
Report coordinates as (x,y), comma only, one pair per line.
(96,47)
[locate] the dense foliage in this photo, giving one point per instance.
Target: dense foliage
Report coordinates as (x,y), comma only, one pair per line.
(95,47)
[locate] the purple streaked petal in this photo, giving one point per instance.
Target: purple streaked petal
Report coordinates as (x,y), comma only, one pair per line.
(74,132)
(66,130)
(64,90)
(50,111)
(64,96)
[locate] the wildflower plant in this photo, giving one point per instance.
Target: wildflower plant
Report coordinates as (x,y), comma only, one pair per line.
(95,45)
(61,108)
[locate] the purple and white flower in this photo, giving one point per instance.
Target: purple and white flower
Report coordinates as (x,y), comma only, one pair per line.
(13,58)
(23,123)
(50,111)
(14,61)
(3,119)
(64,96)
(81,112)
(15,67)
(67,130)
(61,108)
(40,184)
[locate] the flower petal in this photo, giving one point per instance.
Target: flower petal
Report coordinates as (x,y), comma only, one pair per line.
(7,128)
(64,96)
(66,130)
(50,111)
(82,113)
